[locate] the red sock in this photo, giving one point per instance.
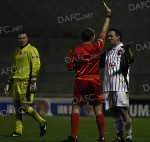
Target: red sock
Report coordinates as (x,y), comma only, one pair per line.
(75,120)
(100,124)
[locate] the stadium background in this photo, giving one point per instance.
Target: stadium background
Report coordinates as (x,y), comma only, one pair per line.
(54,28)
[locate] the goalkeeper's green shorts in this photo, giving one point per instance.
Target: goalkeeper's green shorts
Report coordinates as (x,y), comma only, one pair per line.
(21,91)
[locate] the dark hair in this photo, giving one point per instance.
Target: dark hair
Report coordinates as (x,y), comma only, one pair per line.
(117,32)
(21,32)
(87,34)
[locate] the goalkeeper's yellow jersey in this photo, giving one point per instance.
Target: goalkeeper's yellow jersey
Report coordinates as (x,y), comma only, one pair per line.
(26,63)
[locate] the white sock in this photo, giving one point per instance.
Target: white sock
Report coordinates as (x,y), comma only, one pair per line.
(128,130)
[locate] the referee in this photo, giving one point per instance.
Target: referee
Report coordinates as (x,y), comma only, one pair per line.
(84,60)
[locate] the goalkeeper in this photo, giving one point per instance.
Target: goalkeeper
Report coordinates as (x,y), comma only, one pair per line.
(22,83)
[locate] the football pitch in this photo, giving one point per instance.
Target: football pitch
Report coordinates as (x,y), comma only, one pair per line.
(59,128)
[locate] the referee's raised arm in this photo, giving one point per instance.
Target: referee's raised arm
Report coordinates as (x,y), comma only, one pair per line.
(128,52)
(107,21)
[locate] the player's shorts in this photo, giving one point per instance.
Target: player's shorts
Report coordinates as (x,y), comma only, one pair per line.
(20,91)
(113,99)
(87,89)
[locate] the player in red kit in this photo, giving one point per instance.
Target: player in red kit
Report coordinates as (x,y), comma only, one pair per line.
(84,59)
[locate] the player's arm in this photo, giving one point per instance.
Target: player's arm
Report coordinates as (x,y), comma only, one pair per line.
(7,88)
(13,65)
(35,67)
(35,62)
(70,61)
(128,52)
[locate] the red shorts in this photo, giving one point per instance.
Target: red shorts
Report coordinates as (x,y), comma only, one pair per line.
(88,89)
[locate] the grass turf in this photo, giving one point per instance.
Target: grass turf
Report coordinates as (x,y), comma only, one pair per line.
(59,128)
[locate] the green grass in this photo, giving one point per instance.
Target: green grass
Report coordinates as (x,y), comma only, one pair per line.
(59,128)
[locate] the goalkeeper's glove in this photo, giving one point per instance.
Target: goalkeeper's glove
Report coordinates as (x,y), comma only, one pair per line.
(33,87)
(8,87)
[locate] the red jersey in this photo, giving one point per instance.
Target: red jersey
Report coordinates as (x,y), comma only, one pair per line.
(85,58)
